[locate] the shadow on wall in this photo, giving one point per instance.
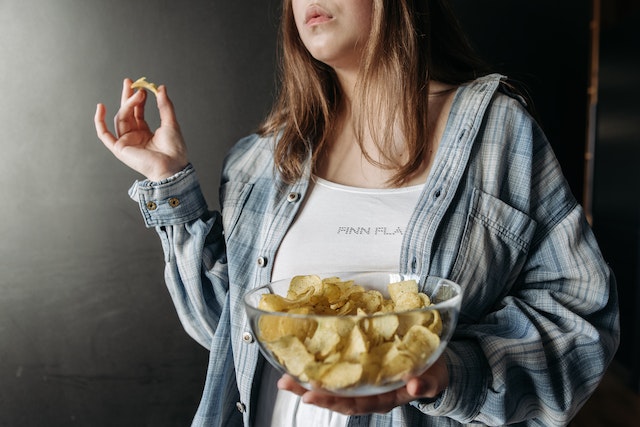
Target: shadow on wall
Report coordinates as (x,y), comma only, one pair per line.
(88,334)
(544,45)
(549,52)
(617,176)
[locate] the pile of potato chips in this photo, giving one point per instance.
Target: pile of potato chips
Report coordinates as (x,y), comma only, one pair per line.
(346,336)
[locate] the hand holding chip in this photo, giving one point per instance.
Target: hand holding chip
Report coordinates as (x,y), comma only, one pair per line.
(157,155)
(428,385)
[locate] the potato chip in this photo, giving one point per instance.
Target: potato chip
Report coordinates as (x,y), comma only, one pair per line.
(292,354)
(395,363)
(313,372)
(410,318)
(275,327)
(383,326)
(341,375)
(435,325)
(357,337)
(357,344)
(426,301)
(370,301)
(343,325)
(273,302)
(408,301)
(332,292)
(325,339)
(420,342)
(349,307)
(372,362)
(301,284)
(142,83)
(398,288)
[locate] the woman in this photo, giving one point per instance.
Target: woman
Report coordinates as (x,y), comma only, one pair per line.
(384,114)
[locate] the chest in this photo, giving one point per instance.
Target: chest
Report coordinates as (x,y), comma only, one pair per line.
(340,228)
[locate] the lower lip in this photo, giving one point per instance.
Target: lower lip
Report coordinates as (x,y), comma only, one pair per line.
(318,20)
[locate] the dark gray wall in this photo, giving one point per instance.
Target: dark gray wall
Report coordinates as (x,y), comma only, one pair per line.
(617,176)
(88,335)
(545,45)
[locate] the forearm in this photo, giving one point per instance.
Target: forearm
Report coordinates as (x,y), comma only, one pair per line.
(194,249)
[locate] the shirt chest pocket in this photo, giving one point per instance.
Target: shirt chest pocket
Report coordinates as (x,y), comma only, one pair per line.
(233,197)
(494,246)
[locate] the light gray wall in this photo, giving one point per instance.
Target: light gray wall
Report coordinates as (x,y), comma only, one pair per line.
(88,335)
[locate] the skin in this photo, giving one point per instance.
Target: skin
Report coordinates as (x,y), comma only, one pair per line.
(428,385)
(161,154)
(156,155)
(337,37)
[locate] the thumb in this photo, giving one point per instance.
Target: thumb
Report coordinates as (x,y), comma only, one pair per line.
(422,387)
(431,383)
(165,108)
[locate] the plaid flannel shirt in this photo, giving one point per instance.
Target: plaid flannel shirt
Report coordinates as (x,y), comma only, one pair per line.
(539,319)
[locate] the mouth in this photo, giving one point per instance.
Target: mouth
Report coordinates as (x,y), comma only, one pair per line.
(316,15)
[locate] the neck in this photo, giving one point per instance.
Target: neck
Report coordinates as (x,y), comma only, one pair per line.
(342,159)
(347,79)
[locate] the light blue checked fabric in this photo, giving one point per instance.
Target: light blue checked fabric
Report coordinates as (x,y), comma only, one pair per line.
(539,320)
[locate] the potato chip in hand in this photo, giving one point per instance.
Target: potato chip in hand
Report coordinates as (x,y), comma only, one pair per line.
(142,83)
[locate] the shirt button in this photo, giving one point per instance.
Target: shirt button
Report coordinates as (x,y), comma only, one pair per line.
(152,206)
(293,197)
(174,202)
(262,262)
(241,407)
(247,337)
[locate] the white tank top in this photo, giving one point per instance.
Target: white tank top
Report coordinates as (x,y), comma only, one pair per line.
(338,228)
(341,228)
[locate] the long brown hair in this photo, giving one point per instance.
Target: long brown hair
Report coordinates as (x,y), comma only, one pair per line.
(411,43)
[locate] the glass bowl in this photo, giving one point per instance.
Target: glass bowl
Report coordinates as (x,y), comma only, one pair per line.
(353,351)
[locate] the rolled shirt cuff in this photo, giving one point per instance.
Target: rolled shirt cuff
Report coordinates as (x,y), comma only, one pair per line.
(175,200)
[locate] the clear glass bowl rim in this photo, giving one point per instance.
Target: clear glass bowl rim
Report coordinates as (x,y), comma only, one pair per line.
(448,304)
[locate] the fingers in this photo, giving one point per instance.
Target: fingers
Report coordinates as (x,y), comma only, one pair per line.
(430,383)
(288,383)
(138,113)
(165,108)
(107,138)
(126,90)
(422,387)
(131,115)
(128,117)
(427,385)
(381,403)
